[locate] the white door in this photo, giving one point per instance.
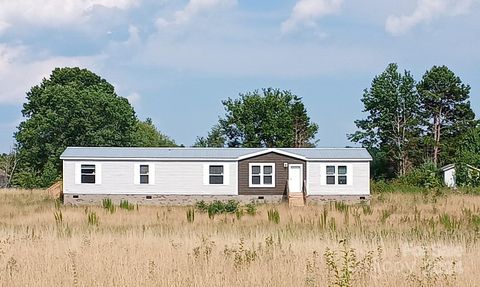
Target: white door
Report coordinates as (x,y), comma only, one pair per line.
(295,177)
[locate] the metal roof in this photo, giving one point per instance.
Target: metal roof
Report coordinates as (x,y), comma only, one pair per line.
(210,153)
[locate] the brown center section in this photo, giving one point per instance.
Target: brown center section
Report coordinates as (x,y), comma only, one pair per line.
(281,174)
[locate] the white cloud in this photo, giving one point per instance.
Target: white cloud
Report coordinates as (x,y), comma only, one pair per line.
(53,13)
(133,98)
(193,9)
(307,12)
(426,11)
(18,73)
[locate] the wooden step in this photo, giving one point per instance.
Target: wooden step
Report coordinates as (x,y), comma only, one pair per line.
(296,199)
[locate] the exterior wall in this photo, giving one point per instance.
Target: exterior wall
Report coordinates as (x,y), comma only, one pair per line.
(281,174)
(157,199)
(358,179)
(117,177)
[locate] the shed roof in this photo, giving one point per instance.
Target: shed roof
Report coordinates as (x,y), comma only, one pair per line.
(211,153)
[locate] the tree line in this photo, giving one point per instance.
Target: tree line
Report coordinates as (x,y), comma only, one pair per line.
(408,124)
(412,125)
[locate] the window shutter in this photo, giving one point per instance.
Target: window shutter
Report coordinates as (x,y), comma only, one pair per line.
(136,173)
(98,173)
(78,173)
(226,174)
(151,174)
(206,172)
(349,174)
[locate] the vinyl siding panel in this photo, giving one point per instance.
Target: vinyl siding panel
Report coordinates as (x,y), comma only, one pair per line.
(170,178)
(358,179)
(281,174)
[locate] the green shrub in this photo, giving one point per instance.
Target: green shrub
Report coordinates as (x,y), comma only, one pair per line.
(427,176)
(124,204)
(381,186)
(108,205)
(218,207)
(201,205)
(231,206)
(251,208)
(466,176)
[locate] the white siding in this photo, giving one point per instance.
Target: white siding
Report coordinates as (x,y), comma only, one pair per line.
(358,179)
(449,177)
(117,177)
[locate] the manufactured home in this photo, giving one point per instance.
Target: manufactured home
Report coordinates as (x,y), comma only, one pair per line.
(188,175)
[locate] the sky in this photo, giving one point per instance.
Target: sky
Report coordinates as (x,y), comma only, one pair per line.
(176,60)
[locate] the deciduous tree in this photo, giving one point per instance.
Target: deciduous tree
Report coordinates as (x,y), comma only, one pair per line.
(73,107)
(215,138)
(147,135)
(391,126)
(267,118)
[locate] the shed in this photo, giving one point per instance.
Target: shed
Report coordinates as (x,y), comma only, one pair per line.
(449,175)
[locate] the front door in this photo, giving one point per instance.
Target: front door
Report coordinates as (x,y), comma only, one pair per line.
(295,177)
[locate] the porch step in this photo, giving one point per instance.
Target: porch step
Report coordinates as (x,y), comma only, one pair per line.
(296,199)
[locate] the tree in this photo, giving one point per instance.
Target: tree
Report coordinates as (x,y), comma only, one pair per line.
(74,107)
(147,135)
(468,158)
(270,118)
(8,165)
(445,108)
(215,138)
(391,127)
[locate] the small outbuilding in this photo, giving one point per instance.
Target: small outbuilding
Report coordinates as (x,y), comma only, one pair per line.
(187,175)
(449,175)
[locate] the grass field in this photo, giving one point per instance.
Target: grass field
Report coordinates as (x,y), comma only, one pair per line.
(397,240)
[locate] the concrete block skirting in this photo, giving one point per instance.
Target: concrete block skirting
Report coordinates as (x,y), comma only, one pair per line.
(158,199)
(319,199)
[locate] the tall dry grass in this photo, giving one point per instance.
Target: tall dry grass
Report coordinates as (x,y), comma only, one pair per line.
(397,240)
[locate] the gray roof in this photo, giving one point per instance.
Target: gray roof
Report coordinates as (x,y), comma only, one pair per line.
(207,153)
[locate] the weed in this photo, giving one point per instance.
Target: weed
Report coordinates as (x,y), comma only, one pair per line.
(73,263)
(311,270)
(345,269)
(434,271)
(204,250)
(367,209)
(450,223)
(241,255)
(124,204)
(108,205)
(386,213)
(12,266)
(273,215)
(92,218)
(58,217)
(190,215)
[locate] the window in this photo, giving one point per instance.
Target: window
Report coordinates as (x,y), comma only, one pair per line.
(262,174)
(342,174)
(330,174)
(87,173)
(336,174)
(215,174)
(144,172)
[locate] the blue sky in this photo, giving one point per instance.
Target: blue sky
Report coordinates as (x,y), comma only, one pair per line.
(176,60)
